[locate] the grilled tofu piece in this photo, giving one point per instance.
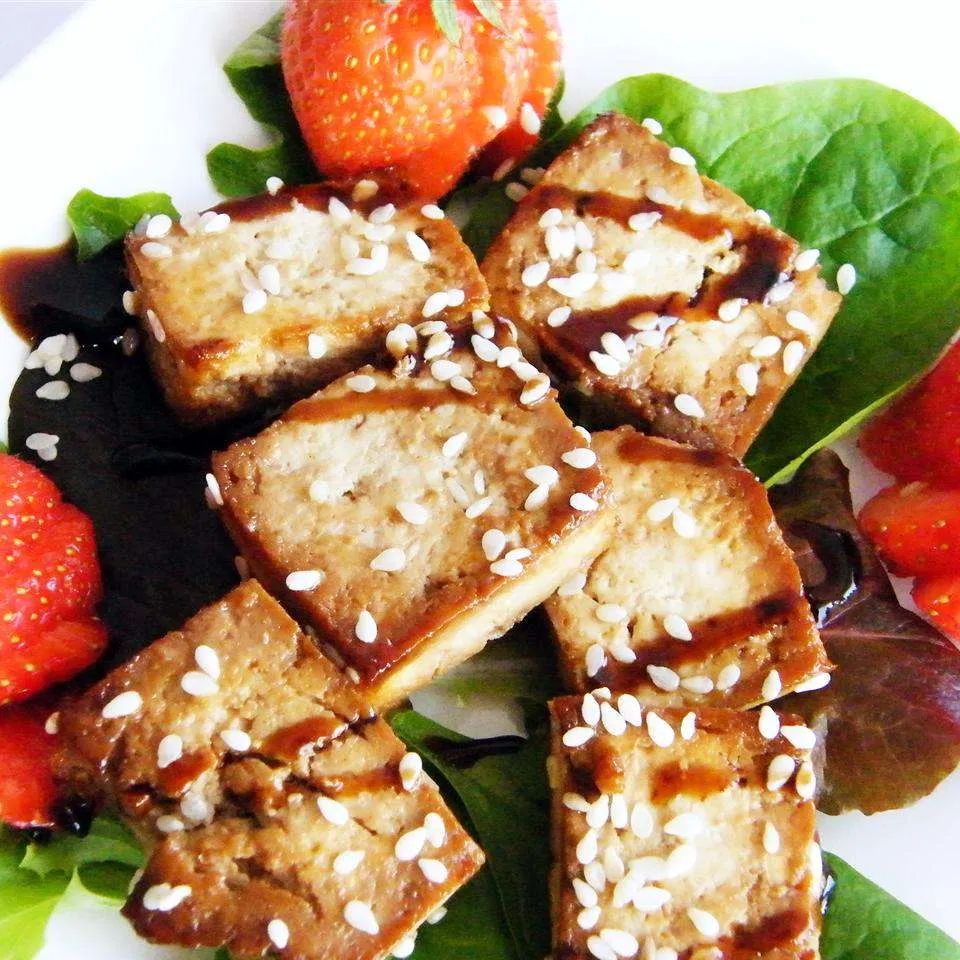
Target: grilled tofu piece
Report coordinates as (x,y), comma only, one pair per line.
(265,299)
(280,814)
(658,296)
(696,598)
(682,833)
(411,516)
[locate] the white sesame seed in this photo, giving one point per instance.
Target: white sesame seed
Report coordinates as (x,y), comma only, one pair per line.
(269,277)
(316,346)
(803,738)
(586,851)
(129,302)
(444,370)
(806,259)
(584,236)
(198,684)
(254,301)
(583,503)
(612,722)
(661,733)
(535,274)
(277,930)
(349,247)
(122,705)
(561,242)
(772,686)
(41,441)
(817,682)
(542,475)
(573,586)
(611,613)
(683,157)
(413,513)
(158,226)
(236,740)
(800,321)
(382,214)
(478,508)
(748,376)
(768,723)
(48,453)
(439,344)
(536,498)
(493,543)
(166,823)
(163,898)
(706,923)
(529,119)
(301,580)
(585,894)
(599,812)
(436,829)
(761,215)
(434,304)
(437,915)
(348,861)
(54,390)
(339,210)
(686,826)
(462,385)
(688,405)
(604,363)
(433,870)
(156,327)
(358,915)
(663,677)
(411,770)
(213,222)
(581,458)
(615,347)
(654,126)
(84,372)
(365,629)
(432,212)
(333,811)
(793,354)
(195,808)
(453,446)
(535,389)
(728,677)
(771,838)
(688,725)
(622,943)
(506,568)
(768,346)
(169,750)
(586,262)
(641,821)
(515,191)
(551,217)
(662,509)
(780,770)
(575,802)
(697,684)
(558,316)
(496,116)
(806,781)
(590,710)
(207,660)
(846,278)
(683,524)
(779,292)
(595,658)
(457,491)
(360,383)
(409,845)
(155,251)
(677,627)
(650,899)
(364,190)
(390,560)
(577,737)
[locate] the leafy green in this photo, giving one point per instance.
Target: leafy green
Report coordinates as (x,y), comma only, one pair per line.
(864,922)
(108,841)
(506,799)
(865,174)
(253,70)
(98,221)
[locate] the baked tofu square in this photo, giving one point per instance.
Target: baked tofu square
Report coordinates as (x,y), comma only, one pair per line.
(657,295)
(265,299)
(682,833)
(281,816)
(411,515)
(696,598)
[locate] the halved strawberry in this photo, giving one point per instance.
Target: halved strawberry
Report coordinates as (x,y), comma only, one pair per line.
(939,599)
(915,528)
(27,791)
(28,500)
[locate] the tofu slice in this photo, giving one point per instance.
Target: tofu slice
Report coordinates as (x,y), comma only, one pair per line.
(265,299)
(280,814)
(410,516)
(681,833)
(696,598)
(663,299)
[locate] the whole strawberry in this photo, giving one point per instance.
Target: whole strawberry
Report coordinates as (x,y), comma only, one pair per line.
(411,87)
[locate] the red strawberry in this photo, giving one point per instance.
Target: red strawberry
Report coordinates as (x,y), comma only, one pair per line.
(379,86)
(27,791)
(49,585)
(916,529)
(918,436)
(939,599)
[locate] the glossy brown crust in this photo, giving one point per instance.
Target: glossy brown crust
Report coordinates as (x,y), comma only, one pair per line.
(407,419)
(248,361)
(265,851)
(602,177)
(773,631)
(767,904)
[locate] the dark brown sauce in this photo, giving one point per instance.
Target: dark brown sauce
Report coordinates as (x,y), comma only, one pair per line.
(697,780)
(776,930)
(386,777)
(286,744)
(466,754)
(638,448)
(709,636)
(174,779)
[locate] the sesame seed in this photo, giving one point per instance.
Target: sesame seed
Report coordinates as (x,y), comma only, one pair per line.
(586,262)
(158,226)
(348,861)
(612,722)
(689,406)
(349,247)
(269,277)
(369,266)
(683,157)
(595,658)
(434,304)
(806,781)
(506,568)
(535,389)
(768,723)
(793,354)
(129,302)
(496,116)
(686,826)
(360,383)
(254,301)
(584,237)
(573,286)
(156,251)
(641,821)
(604,363)
(54,390)
(333,811)
(410,769)
(156,327)
(748,376)
(661,733)
(677,627)
(515,191)
(409,845)
(688,725)
(358,915)
(478,508)
(84,372)
(301,580)
(365,629)
(418,247)
(846,278)
(213,222)
(364,190)
(768,346)
(163,898)
(529,119)
(817,682)
(41,441)
(454,445)
(583,503)
(444,370)
(169,750)
(573,586)
(697,684)
(577,736)
(663,677)
(611,613)
(771,686)
(615,347)
(619,818)
(662,509)
(590,710)
(236,740)
(728,677)
(706,923)
(633,262)
(123,705)
(806,259)
(195,808)
(207,660)
(390,560)
(779,292)
(683,524)
(780,770)
(316,346)
(575,802)
(198,684)
(436,829)
(462,385)
(413,512)
(382,214)
(437,915)
(761,215)
(803,738)
(654,126)
(561,242)
(535,274)
(536,498)
(166,823)
(628,706)
(622,943)
(405,947)
(585,894)
(432,212)
(437,345)
(551,217)
(274,186)
(433,870)
(277,930)
(339,210)
(771,838)
(650,899)
(586,851)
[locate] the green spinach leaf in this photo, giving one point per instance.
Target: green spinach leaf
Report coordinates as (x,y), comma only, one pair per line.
(108,841)
(864,922)
(865,174)
(253,70)
(98,221)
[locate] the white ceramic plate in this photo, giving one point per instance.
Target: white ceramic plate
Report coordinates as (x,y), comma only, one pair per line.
(129,95)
